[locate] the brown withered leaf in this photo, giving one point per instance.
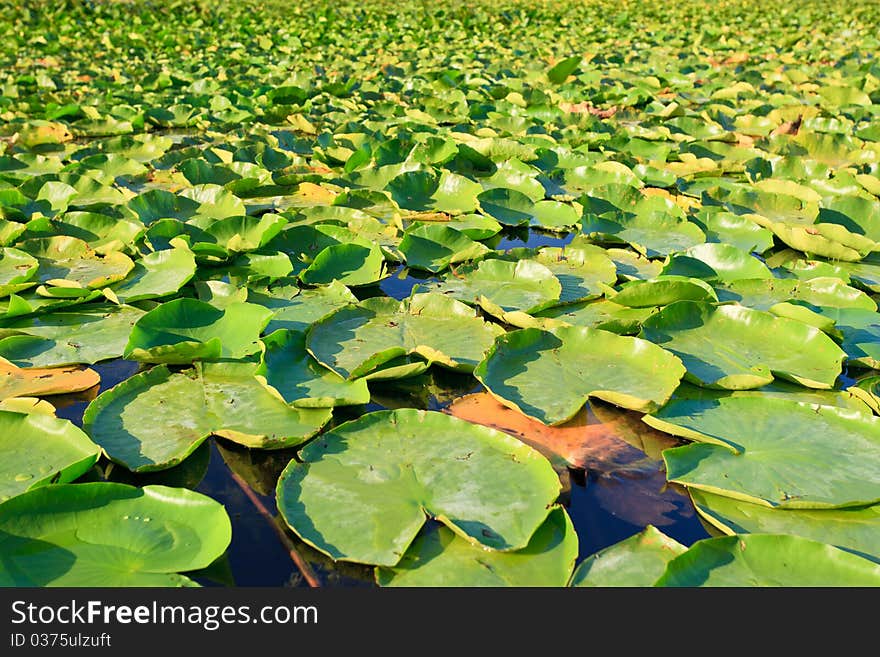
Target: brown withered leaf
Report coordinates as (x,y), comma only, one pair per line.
(36,382)
(617,441)
(586,107)
(788,127)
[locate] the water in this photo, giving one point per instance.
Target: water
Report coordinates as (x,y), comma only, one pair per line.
(608,501)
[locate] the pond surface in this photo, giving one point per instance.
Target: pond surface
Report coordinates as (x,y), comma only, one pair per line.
(622,488)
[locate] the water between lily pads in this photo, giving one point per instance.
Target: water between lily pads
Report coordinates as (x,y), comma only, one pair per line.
(612,488)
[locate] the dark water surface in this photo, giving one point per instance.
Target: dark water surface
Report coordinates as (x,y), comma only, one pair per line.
(607,501)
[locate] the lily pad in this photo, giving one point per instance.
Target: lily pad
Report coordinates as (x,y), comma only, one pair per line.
(584,271)
(639,560)
(726,346)
(350,264)
(662,291)
(16,270)
(549,375)
(653,227)
(768,449)
(107,534)
(301,380)
(856,530)
(70,262)
(365,489)
(223,399)
(600,314)
(69,337)
(186,330)
(501,286)
(354,341)
(157,275)
(38,449)
(725,262)
(34,382)
(768,560)
(433,247)
(437,557)
(297,309)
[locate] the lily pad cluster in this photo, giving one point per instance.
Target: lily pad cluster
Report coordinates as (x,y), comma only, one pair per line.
(559,204)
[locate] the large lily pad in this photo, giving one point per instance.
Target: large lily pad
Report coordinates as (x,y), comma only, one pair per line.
(727,347)
(501,286)
(601,314)
(107,534)
(662,291)
(69,337)
(301,380)
(157,275)
(356,340)
(549,375)
(223,399)
(26,382)
(297,309)
(768,560)
(70,262)
(16,270)
(437,557)
(366,488)
(769,449)
(639,560)
(433,247)
(185,330)
(654,227)
(584,271)
(857,530)
(37,449)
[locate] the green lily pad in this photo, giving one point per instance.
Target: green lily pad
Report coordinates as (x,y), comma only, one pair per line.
(724,261)
(184,330)
(422,191)
(501,286)
(16,270)
(350,264)
(355,340)
(509,206)
(549,375)
(726,346)
(584,271)
(653,227)
(108,534)
(433,247)
(475,226)
(69,262)
(236,234)
(768,449)
(639,560)
(768,560)
(600,314)
(821,239)
(366,488)
(223,399)
(157,275)
(40,449)
(769,294)
(856,530)
(297,309)
(437,557)
(69,337)
(632,265)
(733,229)
(662,291)
(860,334)
(302,381)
